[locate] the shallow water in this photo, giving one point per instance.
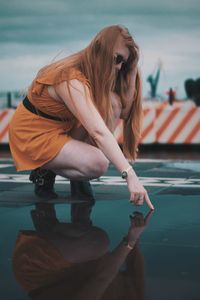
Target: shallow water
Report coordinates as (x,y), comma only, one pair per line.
(167,254)
(89,261)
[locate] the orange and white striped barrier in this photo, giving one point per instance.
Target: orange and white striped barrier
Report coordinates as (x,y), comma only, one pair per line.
(148,134)
(165,124)
(5,116)
(162,123)
(177,124)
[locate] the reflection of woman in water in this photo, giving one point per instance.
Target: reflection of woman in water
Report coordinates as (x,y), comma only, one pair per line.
(72,261)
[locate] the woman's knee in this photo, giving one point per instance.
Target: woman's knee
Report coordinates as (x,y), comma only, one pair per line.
(88,161)
(98,164)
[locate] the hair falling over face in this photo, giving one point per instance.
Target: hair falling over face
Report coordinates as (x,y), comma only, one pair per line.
(96,62)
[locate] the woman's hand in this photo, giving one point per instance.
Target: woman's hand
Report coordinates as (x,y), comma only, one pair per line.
(138,194)
(138,225)
(136,58)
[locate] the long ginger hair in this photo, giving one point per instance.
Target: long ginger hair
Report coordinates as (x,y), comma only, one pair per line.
(96,63)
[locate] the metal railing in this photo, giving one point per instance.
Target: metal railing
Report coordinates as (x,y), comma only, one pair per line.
(11,99)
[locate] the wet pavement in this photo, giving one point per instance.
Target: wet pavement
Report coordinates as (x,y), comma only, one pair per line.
(75,249)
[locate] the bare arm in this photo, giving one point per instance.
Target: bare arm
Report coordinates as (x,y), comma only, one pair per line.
(106,271)
(84,110)
(82,107)
(109,265)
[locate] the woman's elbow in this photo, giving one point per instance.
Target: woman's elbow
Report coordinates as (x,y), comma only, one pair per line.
(100,135)
(97,135)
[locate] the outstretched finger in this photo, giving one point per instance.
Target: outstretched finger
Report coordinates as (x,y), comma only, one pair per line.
(148,217)
(148,201)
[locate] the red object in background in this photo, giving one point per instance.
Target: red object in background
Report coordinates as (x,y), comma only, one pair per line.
(172,96)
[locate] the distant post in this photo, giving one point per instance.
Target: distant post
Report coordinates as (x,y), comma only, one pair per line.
(9,100)
(171,96)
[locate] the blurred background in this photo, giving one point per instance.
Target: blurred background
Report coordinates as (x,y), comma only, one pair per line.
(34,33)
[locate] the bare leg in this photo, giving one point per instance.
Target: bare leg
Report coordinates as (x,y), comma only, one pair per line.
(79,159)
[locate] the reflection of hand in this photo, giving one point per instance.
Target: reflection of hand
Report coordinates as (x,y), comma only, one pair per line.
(138,225)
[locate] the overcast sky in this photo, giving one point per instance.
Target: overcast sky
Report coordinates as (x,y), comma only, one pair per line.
(58,7)
(32,33)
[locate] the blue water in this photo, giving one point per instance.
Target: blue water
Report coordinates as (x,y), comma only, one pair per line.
(32,34)
(165,263)
(169,246)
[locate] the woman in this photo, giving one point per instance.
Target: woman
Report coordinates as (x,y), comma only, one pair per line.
(65,124)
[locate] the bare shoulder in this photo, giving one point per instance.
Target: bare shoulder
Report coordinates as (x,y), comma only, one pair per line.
(52,93)
(65,90)
(71,88)
(76,96)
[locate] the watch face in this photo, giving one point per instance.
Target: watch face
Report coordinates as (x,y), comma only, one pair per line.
(124,174)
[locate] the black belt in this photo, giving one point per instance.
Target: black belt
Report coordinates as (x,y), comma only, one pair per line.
(35,111)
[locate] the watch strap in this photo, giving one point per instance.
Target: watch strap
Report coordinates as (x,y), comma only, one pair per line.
(124,173)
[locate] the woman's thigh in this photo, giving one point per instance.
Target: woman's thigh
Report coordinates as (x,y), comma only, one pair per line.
(78,159)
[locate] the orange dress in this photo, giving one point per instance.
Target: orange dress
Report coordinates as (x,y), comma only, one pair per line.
(33,139)
(37,262)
